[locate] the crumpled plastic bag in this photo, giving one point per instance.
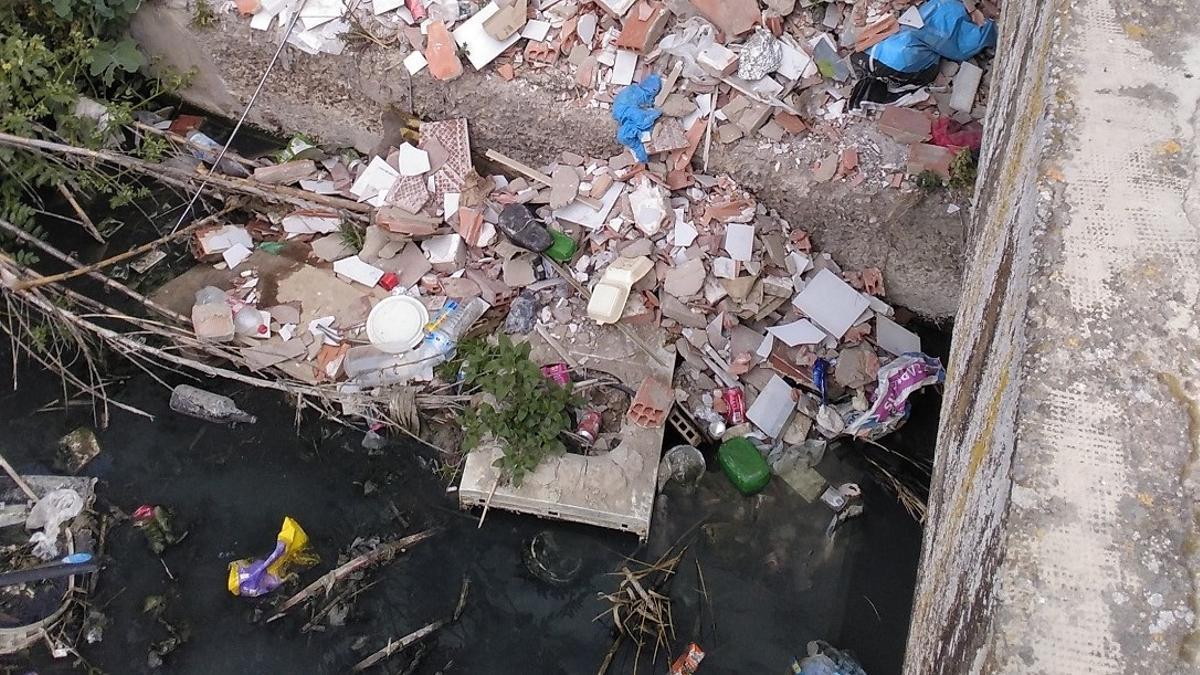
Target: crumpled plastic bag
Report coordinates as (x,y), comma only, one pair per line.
(633,109)
(48,515)
(252,578)
(824,659)
(692,37)
(897,380)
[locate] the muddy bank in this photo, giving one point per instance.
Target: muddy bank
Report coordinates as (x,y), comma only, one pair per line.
(773,579)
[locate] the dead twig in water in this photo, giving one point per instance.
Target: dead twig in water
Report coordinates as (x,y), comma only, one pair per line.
(79,271)
(637,598)
(16,477)
(393,647)
(330,579)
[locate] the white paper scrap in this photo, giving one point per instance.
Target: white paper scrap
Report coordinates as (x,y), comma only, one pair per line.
(415,62)
(382,6)
(773,407)
(799,332)
(482,48)
(225,238)
(830,302)
(353,267)
(581,214)
(894,338)
(413,161)
(375,182)
(912,17)
(624,67)
(301,223)
(739,241)
(536,30)
(235,255)
(685,232)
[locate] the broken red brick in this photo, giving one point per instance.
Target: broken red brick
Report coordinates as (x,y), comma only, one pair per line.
(639,34)
(856,334)
(774,23)
(926,157)
(470,225)
(847,163)
(905,124)
(732,17)
(248,7)
(506,72)
(801,241)
(790,123)
(872,279)
(542,52)
(442,53)
(876,33)
(652,403)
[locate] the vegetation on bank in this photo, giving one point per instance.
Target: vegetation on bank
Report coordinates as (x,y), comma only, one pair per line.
(69,73)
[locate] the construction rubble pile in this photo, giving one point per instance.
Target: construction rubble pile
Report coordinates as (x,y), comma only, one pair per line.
(766,327)
(779,71)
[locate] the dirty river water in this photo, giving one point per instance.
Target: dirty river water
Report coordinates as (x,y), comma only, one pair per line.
(773,579)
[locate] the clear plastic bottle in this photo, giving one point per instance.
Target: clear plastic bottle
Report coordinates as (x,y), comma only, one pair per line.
(248,321)
(210,295)
(450,325)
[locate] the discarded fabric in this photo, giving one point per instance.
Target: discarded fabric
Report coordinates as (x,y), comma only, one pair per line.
(634,111)
(948,32)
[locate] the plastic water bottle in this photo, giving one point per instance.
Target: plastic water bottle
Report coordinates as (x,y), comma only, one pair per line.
(248,321)
(448,327)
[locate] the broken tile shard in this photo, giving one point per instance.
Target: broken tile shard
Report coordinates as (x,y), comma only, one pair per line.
(830,302)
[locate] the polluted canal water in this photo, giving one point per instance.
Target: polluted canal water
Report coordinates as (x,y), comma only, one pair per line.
(760,578)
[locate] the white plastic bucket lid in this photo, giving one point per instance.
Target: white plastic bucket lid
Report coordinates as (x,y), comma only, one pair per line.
(397,323)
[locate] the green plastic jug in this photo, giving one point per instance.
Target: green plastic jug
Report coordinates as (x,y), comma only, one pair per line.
(744,465)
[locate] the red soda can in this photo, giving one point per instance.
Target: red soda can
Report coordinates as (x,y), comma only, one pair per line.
(557,372)
(589,426)
(735,400)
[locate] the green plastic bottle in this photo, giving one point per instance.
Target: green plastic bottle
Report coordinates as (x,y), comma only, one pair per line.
(563,248)
(744,465)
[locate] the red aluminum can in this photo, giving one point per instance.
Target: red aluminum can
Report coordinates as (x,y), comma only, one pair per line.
(735,401)
(557,372)
(589,426)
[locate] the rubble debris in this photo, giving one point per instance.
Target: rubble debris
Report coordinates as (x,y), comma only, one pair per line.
(652,403)
(78,448)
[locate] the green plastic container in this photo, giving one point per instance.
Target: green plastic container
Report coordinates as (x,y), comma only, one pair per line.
(745,466)
(563,248)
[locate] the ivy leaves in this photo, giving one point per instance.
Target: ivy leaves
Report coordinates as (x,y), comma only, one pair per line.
(107,58)
(529,410)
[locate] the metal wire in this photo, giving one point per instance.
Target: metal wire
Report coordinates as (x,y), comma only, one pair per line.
(249,104)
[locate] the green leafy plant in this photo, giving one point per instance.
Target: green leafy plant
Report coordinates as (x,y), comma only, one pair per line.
(963,170)
(529,413)
(53,55)
(929,181)
(203,15)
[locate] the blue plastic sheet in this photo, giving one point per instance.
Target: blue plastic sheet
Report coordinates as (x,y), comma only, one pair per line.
(948,32)
(634,111)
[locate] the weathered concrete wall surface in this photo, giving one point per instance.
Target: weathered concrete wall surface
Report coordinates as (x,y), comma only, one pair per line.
(911,237)
(1063,533)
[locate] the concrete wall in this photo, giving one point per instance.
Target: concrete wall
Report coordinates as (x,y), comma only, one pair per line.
(1063,532)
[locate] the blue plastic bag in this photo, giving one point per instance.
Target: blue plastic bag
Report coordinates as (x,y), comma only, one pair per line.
(634,111)
(948,32)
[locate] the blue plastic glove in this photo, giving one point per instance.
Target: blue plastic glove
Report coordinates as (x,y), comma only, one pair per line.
(634,111)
